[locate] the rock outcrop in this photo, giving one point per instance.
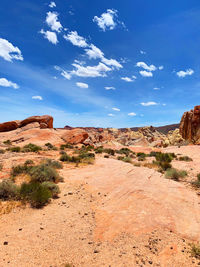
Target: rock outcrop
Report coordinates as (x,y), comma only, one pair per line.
(190,125)
(45,122)
(75,136)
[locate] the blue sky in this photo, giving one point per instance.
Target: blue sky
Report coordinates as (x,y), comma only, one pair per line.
(107,64)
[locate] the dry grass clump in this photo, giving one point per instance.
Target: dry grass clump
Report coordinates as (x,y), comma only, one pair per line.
(82,157)
(175,174)
(185,158)
(195,251)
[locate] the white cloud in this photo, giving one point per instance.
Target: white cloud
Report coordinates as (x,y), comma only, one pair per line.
(156,88)
(132,114)
(50,36)
(111,62)
(37,97)
(127,79)
(8,51)
(142,52)
(75,39)
(52,4)
(161,67)
(145,73)
(82,85)
(182,73)
(145,66)
(94,52)
(64,73)
(5,83)
(150,103)
(110,88)
(106,20)
(116,109)
(53,22)
(111,115)
(90,71)
(164,104)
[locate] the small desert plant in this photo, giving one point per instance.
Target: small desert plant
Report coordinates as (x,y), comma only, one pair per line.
(29,162)
(53,163)
(55,190)
(44,173)
(19,169)
(2,151)
(195,251)
(65,157)
(109,151)
(16,149)
(124,150)
(127,159)
(63,146)
(7,142)
(175,174)
(185,158)
(31,148)
(99,150)
(8,190)
(1,166)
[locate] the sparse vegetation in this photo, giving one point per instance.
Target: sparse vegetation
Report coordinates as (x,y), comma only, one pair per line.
(99,150)
(7,142)
(62,147)
(2,151)
(197,182)
(8,190)
(185,158)
(175,174)
(109,151)
(83,157)
(31,148)
(55,190)
(1,166)
(16,149)
(195,251)
(49,146)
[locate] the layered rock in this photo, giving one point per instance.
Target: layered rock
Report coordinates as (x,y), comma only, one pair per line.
(75,136)
(45,122)
(190,125)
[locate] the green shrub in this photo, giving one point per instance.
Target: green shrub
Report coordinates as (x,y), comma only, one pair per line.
(109,151)
(127,159)
(185,158)
(86,155)
(8,190)
(7,142)
(62,147)
(2,151)
(50,146)
(53,188)
(16,149)
(44,173)
(142,157)
(65,157)
(29,162)
(53,163)
(99,150)
(195,251)
(152,154)
(31,148)
(165,157)
(19,169)
(120,157)
(124,150)
(175,174)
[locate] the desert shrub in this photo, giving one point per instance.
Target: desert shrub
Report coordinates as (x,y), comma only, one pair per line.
(1,166)
(87,155)
(185,158)
(142,157)
(53,163)
(164,157)
(175,174)
(7,142)
(19,169)
(127,159)
(49,146)
(62,152)
(29,162)
(124,150)
(53,188)
(197,182)
(106,156)
(31,148)
(2,151)
(86,148)
(8,190)
(99,150)
(16,149)
(44,173)
(65,157)
(195,251)
(120,157)
(37,194)
(63,146)
(109,151)
(139,154)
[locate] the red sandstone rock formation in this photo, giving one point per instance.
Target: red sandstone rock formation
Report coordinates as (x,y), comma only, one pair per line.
(45,121)
(75,136)
(190,125)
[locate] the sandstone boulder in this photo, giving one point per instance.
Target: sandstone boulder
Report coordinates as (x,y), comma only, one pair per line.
(190,125)
(75,136)
(9,126)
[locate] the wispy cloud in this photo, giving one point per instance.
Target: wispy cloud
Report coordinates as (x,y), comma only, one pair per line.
(76,39)
(111,115)
(150,103)
(8,51)
(110,88)
(5,83)
(116,109)
(52,4)
(132,114)
(128,79)
(37,97)
(182,73)
(82,85)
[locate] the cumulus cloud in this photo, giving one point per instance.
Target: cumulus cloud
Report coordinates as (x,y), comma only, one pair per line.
(110,88)
(52,4)
(127,79)
(132,114)
(90,71)
(75,39)
(50,36)
(145,66)
(5,83)
(8,51)
(107,20)
(182,73)
(145,73)
(111,115)
(150,103)
(116,109)
(53,22)
(112,62)
(37,97)
(82,85)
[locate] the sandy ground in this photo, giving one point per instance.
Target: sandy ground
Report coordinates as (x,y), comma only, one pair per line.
(108,214)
